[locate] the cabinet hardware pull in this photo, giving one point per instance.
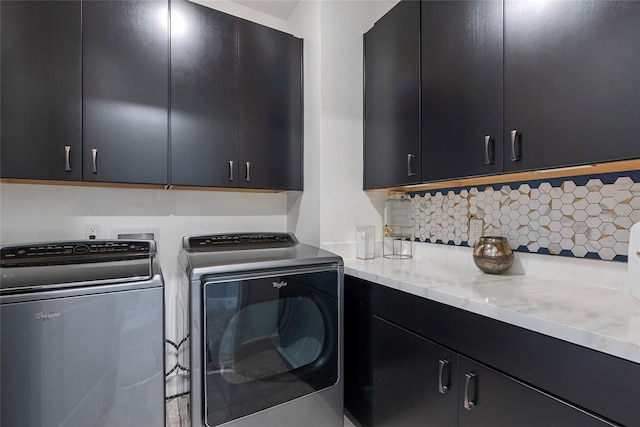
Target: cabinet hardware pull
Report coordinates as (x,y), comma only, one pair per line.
(487,159)
(230,170)
(638,254)
(67,155)
(94,156)
(441,365)
(409,171)
(514,156)
(248,165)
(468,404)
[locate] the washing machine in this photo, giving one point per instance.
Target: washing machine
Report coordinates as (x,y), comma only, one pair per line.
(266,331)
(81,335)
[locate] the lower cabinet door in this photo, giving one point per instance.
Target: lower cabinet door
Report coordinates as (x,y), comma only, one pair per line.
(488,398)
(414,379)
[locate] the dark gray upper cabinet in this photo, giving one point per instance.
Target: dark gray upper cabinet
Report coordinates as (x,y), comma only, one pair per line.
(41,87)
(204,96)
(270,108)
(572,82)
(392,98)
(461,89)
(125,91)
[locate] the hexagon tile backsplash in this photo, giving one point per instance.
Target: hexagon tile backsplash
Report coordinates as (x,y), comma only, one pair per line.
(583,216)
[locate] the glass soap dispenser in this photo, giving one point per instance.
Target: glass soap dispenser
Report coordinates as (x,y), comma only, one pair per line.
(398,226)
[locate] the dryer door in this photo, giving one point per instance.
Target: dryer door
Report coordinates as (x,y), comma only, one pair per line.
(268,339)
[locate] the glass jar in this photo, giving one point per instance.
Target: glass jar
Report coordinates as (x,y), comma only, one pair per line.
(398,226)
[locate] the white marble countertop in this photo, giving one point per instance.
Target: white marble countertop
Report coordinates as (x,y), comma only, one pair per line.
(585,302)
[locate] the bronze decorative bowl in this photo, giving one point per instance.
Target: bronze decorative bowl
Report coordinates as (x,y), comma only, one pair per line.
(493,254)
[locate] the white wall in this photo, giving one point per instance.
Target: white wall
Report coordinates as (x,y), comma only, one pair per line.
(333,202)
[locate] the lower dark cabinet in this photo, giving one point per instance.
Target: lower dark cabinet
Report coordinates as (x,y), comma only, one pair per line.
(414,379)
(429,364)
(489,399)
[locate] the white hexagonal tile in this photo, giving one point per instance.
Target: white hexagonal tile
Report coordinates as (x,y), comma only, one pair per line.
(534,194)
(523,220)
(544,242)
(608,190)
(623,222)
(555,226)
(623,183)
(514,214)
(593,246)
(546,198)
(523,199)
(555,236)
(607,253)
(567,198)
(593,234)
(579,227)
(544,231)
(621,248)
(580,239)
(566,244)
(533,247)
(568,186)
(635,203)
(593,210)
(534,216)
(607,242)
(579,251)
(580,192)
(580,203)
(544,220)
(580,216)
(621,236)
(622,210)
(555,215)
(533,204)
(623,196)
(594,185)
(594,197)
(545,187)
(556,203)
(524,188)
(567,232)
(556,192)
(555,248)
(567,209)
(524,209)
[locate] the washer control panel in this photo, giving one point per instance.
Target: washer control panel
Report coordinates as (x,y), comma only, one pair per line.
(74,252)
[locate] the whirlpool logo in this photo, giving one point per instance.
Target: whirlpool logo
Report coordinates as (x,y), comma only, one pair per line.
(279,285)
(47,316)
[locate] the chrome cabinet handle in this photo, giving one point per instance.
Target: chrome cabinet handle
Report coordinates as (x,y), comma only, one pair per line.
(248,177)
(442,388)
(514,156)
(468,403)
(94,156)
(409,158)
(67,155)
(230,170)
(487,158)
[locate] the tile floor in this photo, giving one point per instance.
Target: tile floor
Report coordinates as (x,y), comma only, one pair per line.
(178,413)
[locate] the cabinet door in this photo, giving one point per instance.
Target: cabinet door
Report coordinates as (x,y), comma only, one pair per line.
(125,91)
(488,398)
(461,88)
(414,379)
(204,96)
(41,48)
(392,98)
(270,108)
(572,82)
(358,371)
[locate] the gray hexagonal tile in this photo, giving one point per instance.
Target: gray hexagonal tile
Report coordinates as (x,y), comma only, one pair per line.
(568,198)
(546,198)
(567,232)
(580,215)
(593,210)
(567,244)
(567,209)
(544,220)
(580,239)
(621,236)
(623,222)
(593,246)
(593,234)
(623,196)
(621,248)
(580,192)
(555,248)
(580,203)
(568,186)
(555,215)
(544,242)
(533,247)
(594,197)
(622,209)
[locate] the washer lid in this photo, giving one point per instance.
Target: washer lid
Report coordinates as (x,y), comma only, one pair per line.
(46,266)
